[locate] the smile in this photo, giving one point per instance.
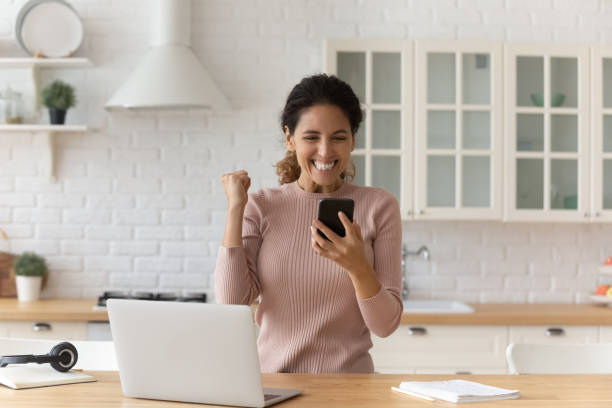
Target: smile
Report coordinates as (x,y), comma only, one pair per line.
(324,166)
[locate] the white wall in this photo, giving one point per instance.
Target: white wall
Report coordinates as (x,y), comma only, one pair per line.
(138,204)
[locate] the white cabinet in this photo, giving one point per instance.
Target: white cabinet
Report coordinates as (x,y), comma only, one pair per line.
(601,129)
(461,147)
(441,349)
(447,349)
(605,334)
(44,330)
(553,334)
(458,152)
(380,73)
(547,133)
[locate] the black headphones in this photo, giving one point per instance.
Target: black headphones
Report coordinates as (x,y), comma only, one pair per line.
(62,357)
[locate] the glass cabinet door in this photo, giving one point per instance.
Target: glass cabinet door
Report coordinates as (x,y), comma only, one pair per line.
(380,74)
(547,144)
(458,153)
(601,207)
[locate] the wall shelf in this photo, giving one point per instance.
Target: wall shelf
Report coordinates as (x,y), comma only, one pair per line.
(45,63)
(34,64)
(48,133)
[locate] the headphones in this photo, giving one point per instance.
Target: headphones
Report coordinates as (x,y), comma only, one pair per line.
(62,357)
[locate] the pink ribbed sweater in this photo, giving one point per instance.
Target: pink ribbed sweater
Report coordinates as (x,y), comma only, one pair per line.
(310,317)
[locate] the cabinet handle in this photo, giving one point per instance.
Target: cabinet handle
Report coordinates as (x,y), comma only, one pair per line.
(555,332)
(422,212)
(409,212)
(463,372)
(417,331)
(597,214)
(40,327)
(586,215)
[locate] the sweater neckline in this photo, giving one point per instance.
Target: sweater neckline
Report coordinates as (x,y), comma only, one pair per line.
(343,189)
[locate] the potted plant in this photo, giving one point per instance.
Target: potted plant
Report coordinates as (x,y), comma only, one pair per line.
(30,269)
(58,96)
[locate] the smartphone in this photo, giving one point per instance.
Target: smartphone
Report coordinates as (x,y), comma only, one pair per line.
(328,214)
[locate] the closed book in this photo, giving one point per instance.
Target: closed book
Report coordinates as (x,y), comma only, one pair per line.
(458,391)
(34,375)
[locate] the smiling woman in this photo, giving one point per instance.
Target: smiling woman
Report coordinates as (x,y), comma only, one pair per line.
(318,299)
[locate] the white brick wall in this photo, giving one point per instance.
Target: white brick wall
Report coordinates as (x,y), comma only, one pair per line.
(139,205)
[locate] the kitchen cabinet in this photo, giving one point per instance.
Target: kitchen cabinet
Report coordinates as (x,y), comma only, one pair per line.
(547,133)
(44,330)
(57,319)
(601,130)
(605,334)
(458,142)
(492,130)
(451,349)
(380,73)
(441,349)
(557,334)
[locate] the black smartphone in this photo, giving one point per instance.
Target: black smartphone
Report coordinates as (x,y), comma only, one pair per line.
(328,214)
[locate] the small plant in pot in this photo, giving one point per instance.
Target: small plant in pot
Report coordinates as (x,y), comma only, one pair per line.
(30,269)
(58,96)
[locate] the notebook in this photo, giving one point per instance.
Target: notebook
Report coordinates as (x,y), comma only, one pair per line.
(457,391)
(30,376)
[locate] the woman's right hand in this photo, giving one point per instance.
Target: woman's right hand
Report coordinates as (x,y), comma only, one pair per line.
(236,185)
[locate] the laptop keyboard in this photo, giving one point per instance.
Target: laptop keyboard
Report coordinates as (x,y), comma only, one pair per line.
(268,397)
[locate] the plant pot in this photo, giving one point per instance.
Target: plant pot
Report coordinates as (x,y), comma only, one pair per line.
(57,116)
(28,288)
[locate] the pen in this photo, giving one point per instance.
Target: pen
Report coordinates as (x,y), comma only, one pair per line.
(414,394)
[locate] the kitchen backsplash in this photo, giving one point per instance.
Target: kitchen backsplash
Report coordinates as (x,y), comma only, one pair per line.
(139,205)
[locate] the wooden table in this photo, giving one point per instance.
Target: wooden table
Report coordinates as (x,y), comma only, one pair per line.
(347,390)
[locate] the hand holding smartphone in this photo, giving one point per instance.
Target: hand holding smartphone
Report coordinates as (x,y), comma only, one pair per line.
(328,214)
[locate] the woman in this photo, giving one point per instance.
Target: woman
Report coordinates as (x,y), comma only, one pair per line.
(318,300)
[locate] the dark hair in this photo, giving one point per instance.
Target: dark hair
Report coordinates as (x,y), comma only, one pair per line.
(320,89)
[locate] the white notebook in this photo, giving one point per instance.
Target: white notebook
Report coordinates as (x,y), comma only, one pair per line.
(34,375)
(458,391)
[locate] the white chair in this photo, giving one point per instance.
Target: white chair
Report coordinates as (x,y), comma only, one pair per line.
(559,358)
(93,355)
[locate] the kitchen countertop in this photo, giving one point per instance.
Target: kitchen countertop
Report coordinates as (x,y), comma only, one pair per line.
(503,314)
(489,314)
(70,310)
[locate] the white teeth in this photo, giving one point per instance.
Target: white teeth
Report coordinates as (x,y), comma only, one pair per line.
(323,166)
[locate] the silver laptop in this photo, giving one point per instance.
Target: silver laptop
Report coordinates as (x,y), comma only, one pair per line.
(189,352)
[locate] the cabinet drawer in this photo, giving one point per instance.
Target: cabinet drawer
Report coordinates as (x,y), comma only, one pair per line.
(450,348)
(605,334)
(45,330)
(553,334)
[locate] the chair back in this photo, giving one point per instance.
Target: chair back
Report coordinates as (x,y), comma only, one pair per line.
(93,355)
(559,358)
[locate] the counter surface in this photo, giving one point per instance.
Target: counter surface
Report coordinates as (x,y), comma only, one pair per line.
(507,314)
(485,314)
(75,310)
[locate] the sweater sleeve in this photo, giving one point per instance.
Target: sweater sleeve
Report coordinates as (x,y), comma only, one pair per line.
(382,312)
(236,280)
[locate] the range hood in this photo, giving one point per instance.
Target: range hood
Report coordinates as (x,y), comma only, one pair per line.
(169,76)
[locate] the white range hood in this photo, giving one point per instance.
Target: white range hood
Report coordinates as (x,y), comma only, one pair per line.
(169,76)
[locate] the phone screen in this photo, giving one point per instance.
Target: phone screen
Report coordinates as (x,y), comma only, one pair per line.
(328,213)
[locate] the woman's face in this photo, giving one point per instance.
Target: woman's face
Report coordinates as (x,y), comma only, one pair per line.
(323,143)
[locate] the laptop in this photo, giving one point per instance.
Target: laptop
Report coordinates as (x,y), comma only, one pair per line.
(189,352)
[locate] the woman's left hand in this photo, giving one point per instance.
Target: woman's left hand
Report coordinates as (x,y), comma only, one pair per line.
(347,251)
